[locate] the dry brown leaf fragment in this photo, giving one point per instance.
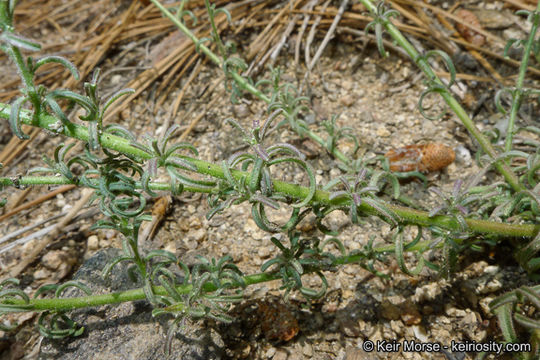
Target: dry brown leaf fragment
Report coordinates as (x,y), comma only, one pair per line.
(161,206)
(469,34)
(423,157)
(166,46)
(278,323)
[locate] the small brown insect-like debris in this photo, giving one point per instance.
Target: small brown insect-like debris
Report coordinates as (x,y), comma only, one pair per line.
(277,321)
(423,157)
(469,34)
(159,210)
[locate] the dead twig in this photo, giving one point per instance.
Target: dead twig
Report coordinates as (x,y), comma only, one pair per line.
(37,201)
(329,34)
(311,35)
(201,115)
(17,270)
(159,210)
(308,7)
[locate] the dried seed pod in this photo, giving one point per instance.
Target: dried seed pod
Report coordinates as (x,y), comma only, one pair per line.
(423,157)
(469,34)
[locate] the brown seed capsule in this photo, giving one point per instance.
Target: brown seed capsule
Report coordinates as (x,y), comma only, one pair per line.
(423,157)
(469,34)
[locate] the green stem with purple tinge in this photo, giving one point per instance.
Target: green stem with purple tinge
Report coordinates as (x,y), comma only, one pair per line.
(405,215)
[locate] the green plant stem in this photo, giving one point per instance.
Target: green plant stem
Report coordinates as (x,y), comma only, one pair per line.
(67,304)
(26,76)
(23,181)
(518,92)
(15,55)
(406,215)
(215,32)
(206,50)
(421,62)
(4,17)
(239,79)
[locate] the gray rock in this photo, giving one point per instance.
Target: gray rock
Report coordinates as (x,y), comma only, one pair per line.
(126,331)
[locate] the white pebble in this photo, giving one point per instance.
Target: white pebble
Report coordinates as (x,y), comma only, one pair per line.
(92,243)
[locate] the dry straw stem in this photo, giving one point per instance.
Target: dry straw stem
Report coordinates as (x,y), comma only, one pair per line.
(182,52)
(457,19)
(49,195)
(349,18)
(443,17)
(521,4)
(476,54)
(174,107)
(420,29)
(42,244)
(263,40)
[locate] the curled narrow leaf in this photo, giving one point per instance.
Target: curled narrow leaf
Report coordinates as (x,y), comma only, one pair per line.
(15,118)
(59,60)
(114,97)
(20,42)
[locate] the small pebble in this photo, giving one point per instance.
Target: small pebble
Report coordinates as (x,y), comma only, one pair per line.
(420,333)
(92,243)
(60,201)
(104,243)
(307,349)
(263,252)
(410,314)
(347,84)
(390,311)
(170,247)
(492,270)
(463,155)
(42,274)
(382,131)
(280,355)
(270,352)
(116,79)
(198,235)
(53,259)
(241,111)
(347,100)
(353,353)
(484,305)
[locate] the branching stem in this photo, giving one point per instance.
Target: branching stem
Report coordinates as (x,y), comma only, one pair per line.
(422,63)
(239,79)
(407,215)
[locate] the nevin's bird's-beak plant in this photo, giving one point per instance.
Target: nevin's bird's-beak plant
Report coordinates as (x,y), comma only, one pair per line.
(121,169)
